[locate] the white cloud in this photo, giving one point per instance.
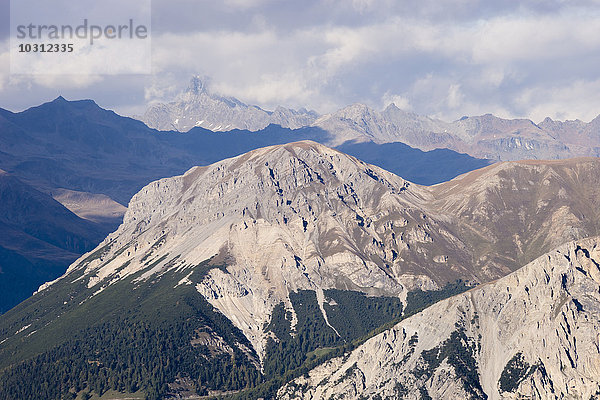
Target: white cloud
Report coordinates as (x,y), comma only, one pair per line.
(272,90)
(66,81)
(523,38)
(455,97)
(571,101)
(244,4)
(162,89)
(4,66)
(402,102)
(476,63)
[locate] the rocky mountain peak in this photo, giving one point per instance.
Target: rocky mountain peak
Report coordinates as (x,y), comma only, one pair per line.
(285,218)
(198,106)
(357,110)
(198,85)
(548,120)
(593,128)
(272,173)
(393,109)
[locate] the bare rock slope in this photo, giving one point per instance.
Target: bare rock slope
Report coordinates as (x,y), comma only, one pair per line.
(282,218)
(531,334)
(512,212)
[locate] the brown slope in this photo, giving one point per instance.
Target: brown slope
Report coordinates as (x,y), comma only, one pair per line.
(512,212)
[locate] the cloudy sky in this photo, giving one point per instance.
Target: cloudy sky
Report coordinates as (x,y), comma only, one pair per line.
(532,58)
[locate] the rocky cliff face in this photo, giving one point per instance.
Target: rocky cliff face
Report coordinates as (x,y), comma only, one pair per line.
(531,334)
(197,106)
(303,216)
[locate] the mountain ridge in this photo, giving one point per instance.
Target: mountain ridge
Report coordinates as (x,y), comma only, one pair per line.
(39,237)
(485,136)
(262,266)
(78,152)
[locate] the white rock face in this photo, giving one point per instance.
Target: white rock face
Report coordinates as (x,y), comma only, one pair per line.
(199,107)
(540,323)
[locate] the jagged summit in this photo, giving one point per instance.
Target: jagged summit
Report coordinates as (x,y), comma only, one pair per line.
(61,108)
(199,106)
(62,101)
(198,85)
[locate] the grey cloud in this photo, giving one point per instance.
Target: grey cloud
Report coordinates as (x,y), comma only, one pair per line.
(4,19)
(287,15)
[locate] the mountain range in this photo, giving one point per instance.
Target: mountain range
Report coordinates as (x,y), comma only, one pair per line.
(485,136)
(260,263)
(93,161)
(76,145)
(297,271)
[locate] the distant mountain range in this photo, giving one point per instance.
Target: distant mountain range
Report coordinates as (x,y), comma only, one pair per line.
(93,161)
(264,275)
(483,136)
(263,264)
(486,136)
(282,254)
(79,146)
